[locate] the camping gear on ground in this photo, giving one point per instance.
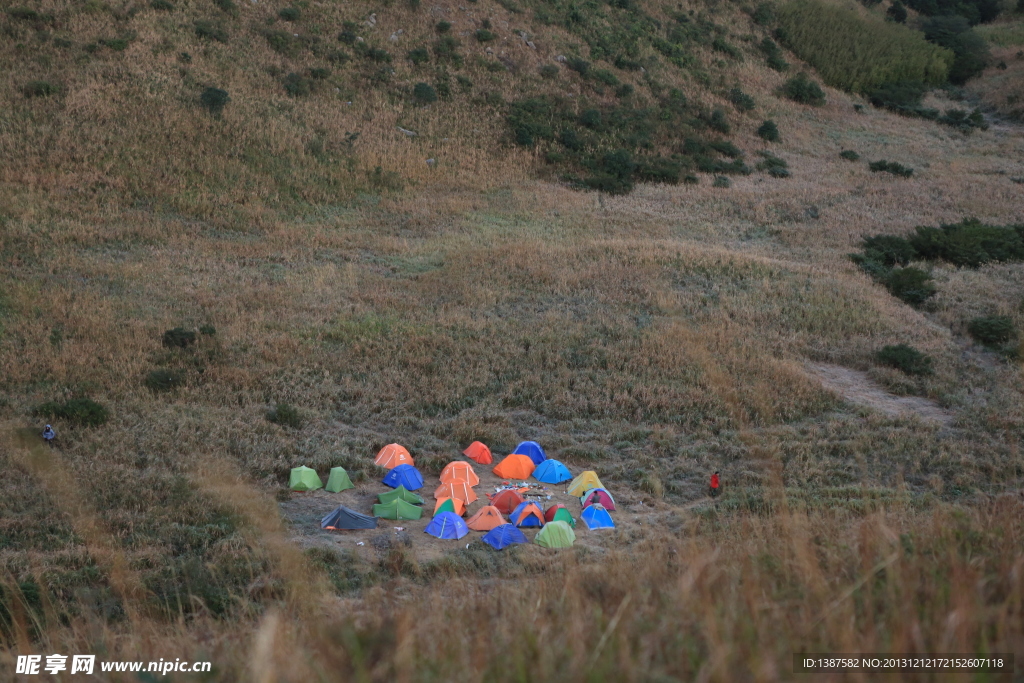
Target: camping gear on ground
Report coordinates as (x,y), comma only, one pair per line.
(459,472)
(397,509)
(532,450)
(400,493)
(304,479)
(392,456)
(463,492)
(559,513)
(344,518)
(515,466)
(583,483)
(404,475)
(556,535)
(527,514)
(447,525)
(478,453)
(596,517)
(485,519)
(506,500)
(500,537)
(552,472)
(598,496)
(338,481)
(450,505)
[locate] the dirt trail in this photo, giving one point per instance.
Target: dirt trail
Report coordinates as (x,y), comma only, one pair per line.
(857,387)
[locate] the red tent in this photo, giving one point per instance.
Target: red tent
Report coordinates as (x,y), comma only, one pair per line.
(478,452)
(506,501)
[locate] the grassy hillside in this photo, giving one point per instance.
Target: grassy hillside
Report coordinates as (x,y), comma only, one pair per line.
(456,284)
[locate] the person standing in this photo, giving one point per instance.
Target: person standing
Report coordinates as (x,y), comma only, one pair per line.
(49,435)
(715,485)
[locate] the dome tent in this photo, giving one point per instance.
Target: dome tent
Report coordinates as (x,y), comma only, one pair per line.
(515,466)
(447,525)
(459,472)
(532,450)
(397,509)
(400,493)
(338,481)
(344,518)
(527,514)
(596,517)
(500,537)
(463,492)
(556,535)
(303,478)
(583,483)
(449,505)
(559,513)
(600,496)
(485,519)
(506,500)
(404,475)
(552,472)
(479,453)
(392,456)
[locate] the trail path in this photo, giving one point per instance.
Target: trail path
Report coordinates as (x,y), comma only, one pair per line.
(857,387)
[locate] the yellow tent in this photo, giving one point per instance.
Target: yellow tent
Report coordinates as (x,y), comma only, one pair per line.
(583,483)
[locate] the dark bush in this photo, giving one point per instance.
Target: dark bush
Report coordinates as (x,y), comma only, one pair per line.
(889,250)
(769,131)
(214,99)
(775,166)
(281,41)
(970,243)
(773,53)
(116,44)
(892,167)
(228,6)
(591,118)
(897,12)
(164,380)
(802,89)
(659,170)
(39,89)
(484,36)
(624,90)
(297,86)
(348,37)
(418,56)
(970,52)
(375,54)
(906,359)
(690,179)
(443,27)
(24,14)
(319,73)
(849,155)
(721,181)
(285,415)
(289,14)
(162,5)
(911,285)
(211,31)
(179,338)
(580,66)
(764,14)
(964,121)
(424,93)
(741,100)
(548,71)
(208,330)
(993,330)
(446,49)
(80,411)
(719,122)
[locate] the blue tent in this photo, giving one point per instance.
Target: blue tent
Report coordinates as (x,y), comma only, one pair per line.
(552,472)
(447,525)
(532,450)
(597,517)
(527,514)
(500,537)
(404,475)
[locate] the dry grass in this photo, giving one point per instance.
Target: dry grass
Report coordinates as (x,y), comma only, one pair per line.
(655,337)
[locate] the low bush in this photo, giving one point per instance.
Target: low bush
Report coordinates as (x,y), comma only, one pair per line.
(802,89)
(889,250)
(374,54)
(719,122)
(912,285)
(446,49)
(769,131)
(741,100)
(906,359)
(580,66)
(39,89)
(418,56)
(773,54)
(970,243)
(208,330)
(605,76)
(443,27)
(297,86)
(423,93)
(211,30)
(164,380)
(721,181)
(892,167)
(228,6)
(285,415)
(548,71)
(897,12)
(179,338)
(79,411)
(992,330)
(214,100)
(763,14)
(162,5)
(282,42)
(775,166)
(289,14)
(484,36)
(963,121)
(849,155)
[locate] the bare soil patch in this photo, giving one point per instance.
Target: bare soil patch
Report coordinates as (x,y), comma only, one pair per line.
(856,387)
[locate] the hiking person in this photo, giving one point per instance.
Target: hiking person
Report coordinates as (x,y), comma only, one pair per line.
(715,485)
(49,435)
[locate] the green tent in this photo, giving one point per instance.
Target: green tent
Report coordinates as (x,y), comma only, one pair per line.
(556,535)
(561,515)
(397,509)
(338,481)
(401,493)
(304,479)
(446,506)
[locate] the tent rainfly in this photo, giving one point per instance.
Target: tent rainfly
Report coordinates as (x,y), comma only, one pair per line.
(532,450)
(478,453)
(447,525)
(583,483)
(449,505)
(397,509)
(506,500)
(459,472)
(559,513)
(304,479)
(598,496)
(556,535)
(343,518)
(485,519)
(596,517)
(500,537)
(515,466)
(463,492)
(338,481)
(552,472)
(404,475)
(527,514)
(400,493)
(392,456)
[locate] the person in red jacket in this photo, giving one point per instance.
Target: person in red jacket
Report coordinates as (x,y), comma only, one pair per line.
(715,484)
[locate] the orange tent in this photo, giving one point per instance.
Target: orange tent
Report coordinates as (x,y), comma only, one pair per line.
(462,491)
(515,466)
(485,519)
(478,452)
(460,506)
(393,455)
(459,472)
(506,501)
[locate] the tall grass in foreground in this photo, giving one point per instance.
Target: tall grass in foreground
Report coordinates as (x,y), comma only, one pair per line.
(859,52)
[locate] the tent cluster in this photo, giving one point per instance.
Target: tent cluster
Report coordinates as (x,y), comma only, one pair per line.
(456,492)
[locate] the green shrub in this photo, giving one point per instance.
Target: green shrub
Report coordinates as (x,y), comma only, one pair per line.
(605,76)
(297,86)
(965,122)
(912,285)
(719,122)
(285,415)
(211,31)
(228,6)
(859,52)
(348,37)
(208,330)
(548,71)
(897,12)
(849,155)
(993,330)
(446,49)
(80,411)
(116,44)
(906,359)
(281,41)
(39,89)
(741,100)
(289,14)
(24,14)
(721,181)
(892,167)
(624,90)
(418,56)
(442,27)
(970,11)
(969,243)
(424,93)
(179,338)
(764,14)
(773,53)
(720,44)
(484,36)
(970,52)
(385,181)
(769,131)
(889,250)
(374,54)
(164,380)
(162,5)
(580,66)
(802,89)
(214,99)
(775,166)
